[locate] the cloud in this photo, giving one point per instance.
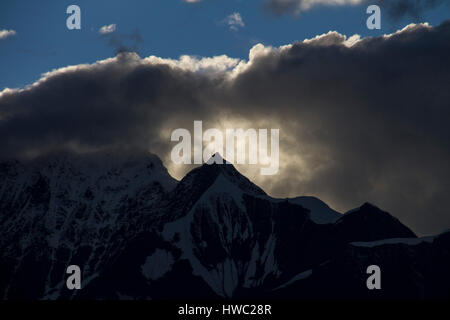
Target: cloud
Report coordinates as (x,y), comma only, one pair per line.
(121,42)
(234,21)
(107,29)
(280,7)
(124,42)
(361,119)
(394,8)
(6,34)
(397,9)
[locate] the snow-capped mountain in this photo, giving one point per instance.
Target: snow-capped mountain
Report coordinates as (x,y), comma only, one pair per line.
(137,233)
(63,208)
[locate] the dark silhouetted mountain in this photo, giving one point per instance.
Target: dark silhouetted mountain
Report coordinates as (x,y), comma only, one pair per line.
(137,233)
(368,223)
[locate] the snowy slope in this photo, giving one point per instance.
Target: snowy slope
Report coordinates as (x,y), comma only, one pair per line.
(320,212)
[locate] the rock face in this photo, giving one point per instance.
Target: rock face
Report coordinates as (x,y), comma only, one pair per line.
(136,233)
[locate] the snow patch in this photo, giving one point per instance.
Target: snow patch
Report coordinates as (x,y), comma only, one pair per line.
(300,276)
(157,265)
(408,241)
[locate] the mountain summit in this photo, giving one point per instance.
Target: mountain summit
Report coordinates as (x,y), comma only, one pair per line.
(217,167)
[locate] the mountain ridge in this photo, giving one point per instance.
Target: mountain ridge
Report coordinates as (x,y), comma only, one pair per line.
(214,230)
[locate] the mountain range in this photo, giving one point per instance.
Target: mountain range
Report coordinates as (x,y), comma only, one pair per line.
(137,233)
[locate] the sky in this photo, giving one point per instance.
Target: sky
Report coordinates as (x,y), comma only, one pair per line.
(167,29)
(361,118)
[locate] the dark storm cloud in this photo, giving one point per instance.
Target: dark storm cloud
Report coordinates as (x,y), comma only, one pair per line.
(113,104)
(360,119)
(394,8)
(412,8)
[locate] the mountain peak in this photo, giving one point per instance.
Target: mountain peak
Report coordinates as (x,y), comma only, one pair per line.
(217,158)
(197,181)
(369,223)
(217,165)
(206,174)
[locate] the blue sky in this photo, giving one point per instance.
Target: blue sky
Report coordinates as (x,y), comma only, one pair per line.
(168,29)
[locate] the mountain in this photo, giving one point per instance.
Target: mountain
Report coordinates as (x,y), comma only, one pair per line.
(137,233)
(65,208)
(319,211)
(412,269)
